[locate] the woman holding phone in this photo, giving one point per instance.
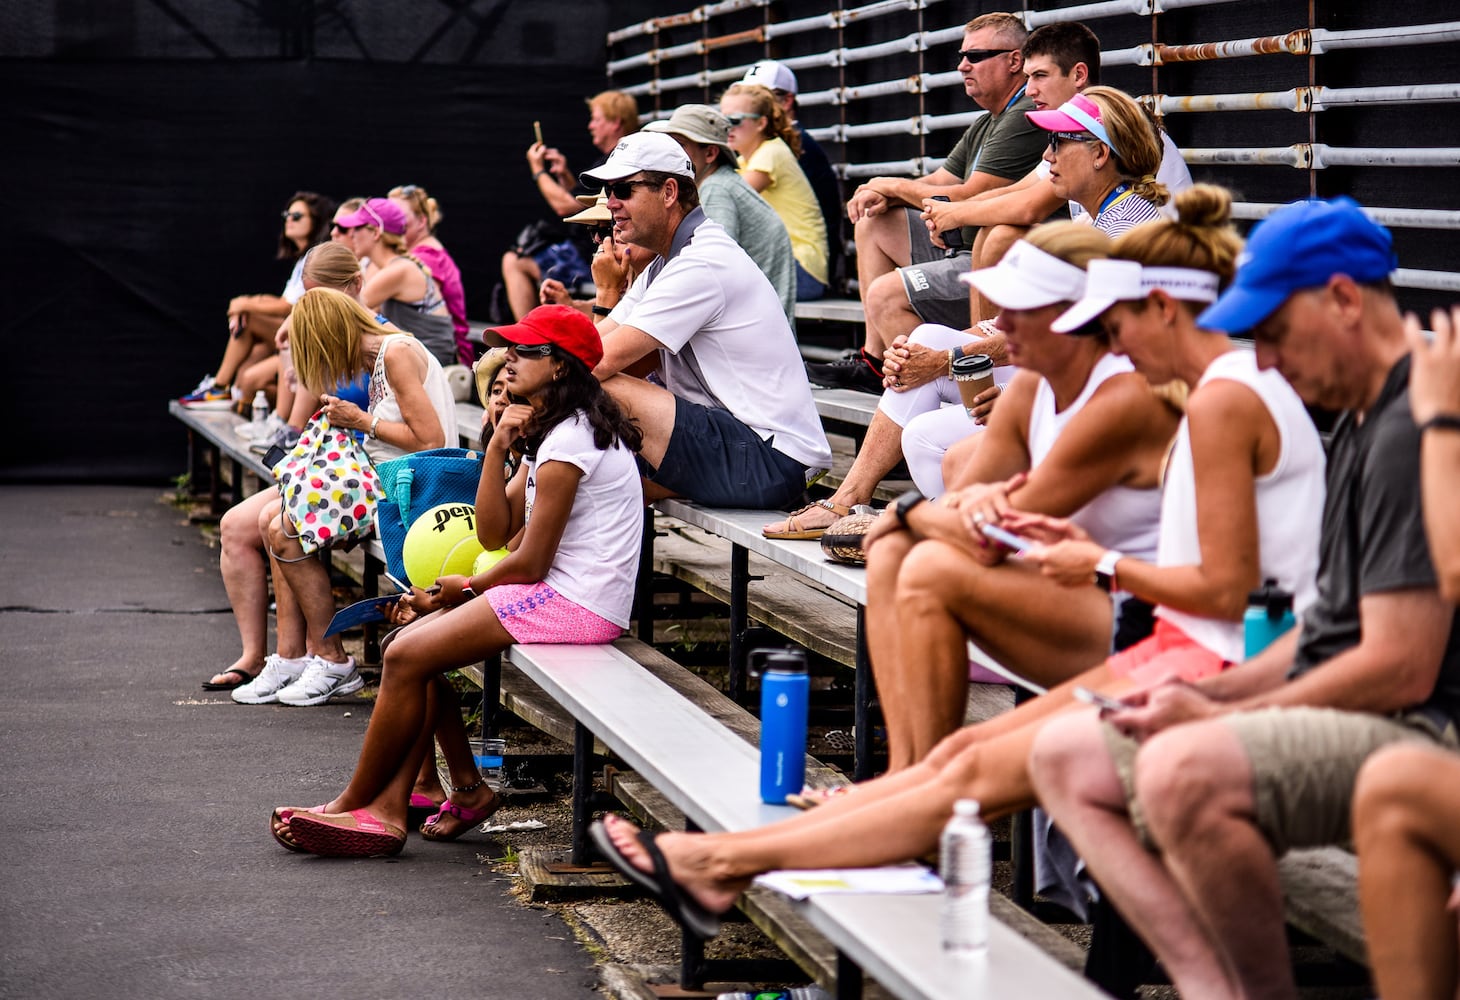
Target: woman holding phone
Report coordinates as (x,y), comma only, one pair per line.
(1246,473)
(578,504)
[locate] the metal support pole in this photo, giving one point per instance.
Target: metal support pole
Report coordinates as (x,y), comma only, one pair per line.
(492,695)
(848,977)
(864,689)
(644,589)
(739,618)
(582,791)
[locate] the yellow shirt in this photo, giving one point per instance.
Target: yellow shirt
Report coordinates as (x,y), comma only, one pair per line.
(790,194)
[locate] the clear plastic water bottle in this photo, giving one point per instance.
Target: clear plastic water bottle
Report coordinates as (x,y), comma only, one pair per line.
(965,860)
(260,413)
(784,691)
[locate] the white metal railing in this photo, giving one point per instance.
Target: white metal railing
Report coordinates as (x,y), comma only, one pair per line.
(1305,99)
(1318,156)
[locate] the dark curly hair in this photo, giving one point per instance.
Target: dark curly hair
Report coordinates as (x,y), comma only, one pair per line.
(576,390)
(321,215)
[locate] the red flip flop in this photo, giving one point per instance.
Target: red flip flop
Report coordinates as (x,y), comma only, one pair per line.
(355,834)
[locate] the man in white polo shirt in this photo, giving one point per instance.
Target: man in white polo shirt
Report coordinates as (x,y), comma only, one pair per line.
(731,421)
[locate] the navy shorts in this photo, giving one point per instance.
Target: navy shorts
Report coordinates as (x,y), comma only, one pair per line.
(714,459)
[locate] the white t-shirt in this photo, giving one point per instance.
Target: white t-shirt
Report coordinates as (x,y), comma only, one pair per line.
(726,340)
(294,288)
(598,557)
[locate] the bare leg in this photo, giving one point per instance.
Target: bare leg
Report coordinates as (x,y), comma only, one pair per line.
(1076,781)
(882,245)
(521,277)
(288,385)
(1195,783)
(399,725)
(234,355)
(244,567)
(881,450)
(649,405)
(889,312)
(259,374)
(309,582)
(988,249)
(1406,823)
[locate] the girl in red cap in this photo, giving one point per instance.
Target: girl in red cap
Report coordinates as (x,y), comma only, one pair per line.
(571,516)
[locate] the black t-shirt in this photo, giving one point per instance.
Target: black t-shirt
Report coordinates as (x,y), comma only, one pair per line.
(1373,536)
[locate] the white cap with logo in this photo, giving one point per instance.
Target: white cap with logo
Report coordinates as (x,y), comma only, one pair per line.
(640,151)
(771,75)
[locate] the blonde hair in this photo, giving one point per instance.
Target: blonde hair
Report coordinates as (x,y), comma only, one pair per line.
(1009,28)
(617,106)
(1200,237)
(327,332)
(1137,140)
(421,203)
(775,123)
(331,265)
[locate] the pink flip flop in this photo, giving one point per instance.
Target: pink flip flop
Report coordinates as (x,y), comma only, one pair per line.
(279,824)
(355,834)
(468,817)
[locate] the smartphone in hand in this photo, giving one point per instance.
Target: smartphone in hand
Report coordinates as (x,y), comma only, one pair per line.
(537,131)
(952,238)
(1101,701)
(1006,538)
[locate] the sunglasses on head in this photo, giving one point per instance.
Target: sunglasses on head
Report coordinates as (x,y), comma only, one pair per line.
(1055,138)
(976,56)
(529,350)
(741,116)
(624,190)
(291,216)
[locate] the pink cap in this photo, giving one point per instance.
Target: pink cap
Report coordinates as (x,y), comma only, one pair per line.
(382,213)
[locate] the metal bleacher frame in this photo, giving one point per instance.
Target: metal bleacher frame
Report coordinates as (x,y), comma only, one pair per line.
(879,90)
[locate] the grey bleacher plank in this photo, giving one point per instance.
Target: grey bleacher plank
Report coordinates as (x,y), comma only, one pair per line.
(742,527)
(676,753)
(849,406)
(895,939)
(469,423)
(832,310)
(1320,892)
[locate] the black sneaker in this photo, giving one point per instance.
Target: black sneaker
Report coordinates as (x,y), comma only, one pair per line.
(855,372)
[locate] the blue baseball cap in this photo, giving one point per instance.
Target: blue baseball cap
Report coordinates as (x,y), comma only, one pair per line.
(1301,245)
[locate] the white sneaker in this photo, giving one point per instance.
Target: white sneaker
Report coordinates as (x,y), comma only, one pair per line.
(321,681)
(254,433)
(278,673)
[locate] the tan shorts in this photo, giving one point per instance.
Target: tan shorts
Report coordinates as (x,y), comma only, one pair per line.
(1305,762)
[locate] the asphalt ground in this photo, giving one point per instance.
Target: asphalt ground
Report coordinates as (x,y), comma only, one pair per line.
(135,856)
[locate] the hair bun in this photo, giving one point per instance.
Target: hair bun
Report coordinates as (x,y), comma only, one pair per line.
(1204,205)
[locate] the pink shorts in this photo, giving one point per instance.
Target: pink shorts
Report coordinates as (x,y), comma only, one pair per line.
(1166,652)
(535,612)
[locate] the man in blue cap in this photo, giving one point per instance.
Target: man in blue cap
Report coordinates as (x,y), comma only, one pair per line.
(1181,803)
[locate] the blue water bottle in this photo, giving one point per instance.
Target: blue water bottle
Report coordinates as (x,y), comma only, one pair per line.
(784,688)
(1269,615)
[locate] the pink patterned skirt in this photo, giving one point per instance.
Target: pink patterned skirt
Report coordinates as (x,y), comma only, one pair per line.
(535,612)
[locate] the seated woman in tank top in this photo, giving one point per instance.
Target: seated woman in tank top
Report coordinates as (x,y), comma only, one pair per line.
(397,285)
(1245,476)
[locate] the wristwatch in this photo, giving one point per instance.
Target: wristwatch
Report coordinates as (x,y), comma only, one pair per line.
(904,504)
(1441,422)
(467,593)
(1105,570)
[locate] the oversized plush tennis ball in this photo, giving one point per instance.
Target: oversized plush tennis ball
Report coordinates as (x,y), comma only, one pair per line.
(441,542)
(487,560)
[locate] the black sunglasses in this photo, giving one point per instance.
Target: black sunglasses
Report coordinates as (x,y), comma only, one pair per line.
(976,56)
(600,233)
(1055,138)
(291,216)
(742,116)
(624,190)
(344,229)
(528,350)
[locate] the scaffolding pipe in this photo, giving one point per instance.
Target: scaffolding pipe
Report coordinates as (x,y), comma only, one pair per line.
(1371,38)
(1318,156)
(1305,99)
(830,22)
(1397,218)
(1435,281)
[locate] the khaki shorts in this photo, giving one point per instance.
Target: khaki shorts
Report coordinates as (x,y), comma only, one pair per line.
(1305,762)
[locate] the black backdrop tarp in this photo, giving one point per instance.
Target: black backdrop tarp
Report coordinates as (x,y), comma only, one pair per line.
(139,195)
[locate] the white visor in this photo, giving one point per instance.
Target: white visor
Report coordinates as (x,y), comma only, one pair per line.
(1028,278)
(1128,281)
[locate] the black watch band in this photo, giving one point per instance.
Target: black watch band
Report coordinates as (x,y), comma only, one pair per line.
(1441,422)
(904,504)
(601,310)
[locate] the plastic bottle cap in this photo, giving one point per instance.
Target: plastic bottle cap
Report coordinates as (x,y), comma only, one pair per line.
(965,807)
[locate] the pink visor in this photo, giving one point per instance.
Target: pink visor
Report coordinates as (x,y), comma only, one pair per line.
(1078,114)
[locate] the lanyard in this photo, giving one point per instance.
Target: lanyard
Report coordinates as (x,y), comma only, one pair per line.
(1012,101)
(1120,192)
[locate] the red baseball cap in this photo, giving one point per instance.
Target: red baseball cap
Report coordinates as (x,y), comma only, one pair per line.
(562,325)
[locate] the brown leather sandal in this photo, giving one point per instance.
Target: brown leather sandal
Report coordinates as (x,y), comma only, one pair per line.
(793,529)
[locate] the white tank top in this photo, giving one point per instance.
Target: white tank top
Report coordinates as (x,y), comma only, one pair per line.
(383,403)
(1121,517)
(1289,504)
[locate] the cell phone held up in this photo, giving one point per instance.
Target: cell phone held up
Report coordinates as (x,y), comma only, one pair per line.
(1101,701)
(952,238)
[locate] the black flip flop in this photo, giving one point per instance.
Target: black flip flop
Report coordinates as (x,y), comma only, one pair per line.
(210,686)
(660,884)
